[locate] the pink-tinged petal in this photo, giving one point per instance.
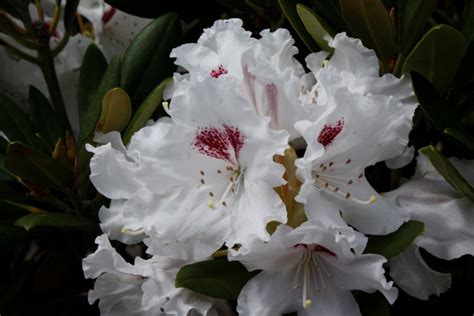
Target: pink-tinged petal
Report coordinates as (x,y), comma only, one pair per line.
(410,272)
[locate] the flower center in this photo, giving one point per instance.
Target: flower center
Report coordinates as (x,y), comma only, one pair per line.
(311,271)
(232,188)
(216,73)
(224,143)
(329,132)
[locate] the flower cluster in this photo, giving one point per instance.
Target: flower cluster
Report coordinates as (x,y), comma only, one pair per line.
(210,178)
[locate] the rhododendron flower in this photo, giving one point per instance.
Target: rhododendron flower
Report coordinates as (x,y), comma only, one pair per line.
(205,178)
(361,119)
(310,270)
(448,220)
(265,70)
(144,288)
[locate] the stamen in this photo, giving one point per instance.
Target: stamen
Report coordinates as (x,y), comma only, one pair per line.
(347,195)
(166,107)
(132,232)
(210,203)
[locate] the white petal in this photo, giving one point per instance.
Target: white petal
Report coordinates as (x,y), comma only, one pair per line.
(275,255)
(401,161)
(351,56)
(332,301)
(315,61)
(363,272)
(414,276)
(112,172)
(269,293)
(105,259)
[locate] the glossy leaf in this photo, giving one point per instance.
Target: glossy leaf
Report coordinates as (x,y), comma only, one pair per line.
(316,27)
(449,172)
(216,278)
(289,9)
(330,11)
(35,167)
(392,244)
(15,123)
(58,220)
(464,80)
(145,111)
(437,56)
(116,111)
(412,18)
(433,104)
(370,21)
(93,68)
(44,117)
(91,114)
(146,62)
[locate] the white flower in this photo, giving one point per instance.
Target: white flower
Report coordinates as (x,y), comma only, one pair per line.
(265,70)
(360,119)
(206,178)
(144,288)
(310,270)
(448,220)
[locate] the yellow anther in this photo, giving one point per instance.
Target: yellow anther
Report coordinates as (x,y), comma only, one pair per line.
(131,232)
(372,199)
(307,303)
(166,106)
(210,203)
(325,63)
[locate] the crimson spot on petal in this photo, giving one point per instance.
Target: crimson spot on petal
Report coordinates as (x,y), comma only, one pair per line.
(222,143)
(216,73)
(329,133)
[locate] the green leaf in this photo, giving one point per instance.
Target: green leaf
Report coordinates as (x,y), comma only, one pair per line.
(146,62)
(93,68)
(44,117)
(437,56)
(11,211)
(370,21)
(412,18)
(392,244)
(449,172)
(145,111)
(468,21)
(315,26)
(70,13)
(91,114)
(433,104)
(35,167)
(59,220)
(116,111)
(330,11)
(464,79)
(15,123)
(462,137)
(289,9)
(215,278)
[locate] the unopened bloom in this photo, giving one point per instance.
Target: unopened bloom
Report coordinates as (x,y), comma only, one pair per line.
(310,270)
(361,119)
